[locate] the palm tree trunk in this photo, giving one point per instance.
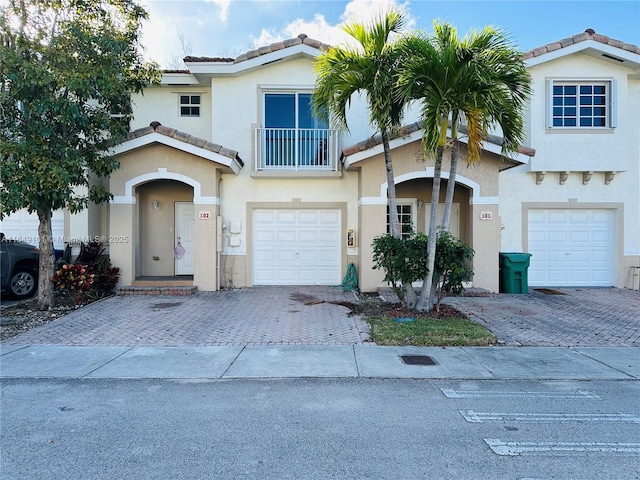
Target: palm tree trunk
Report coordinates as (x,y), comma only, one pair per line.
(451,185)
(47,258)
(446,216)
(394,222)
(425,302)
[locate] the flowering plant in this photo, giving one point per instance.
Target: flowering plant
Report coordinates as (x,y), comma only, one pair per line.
(72,277)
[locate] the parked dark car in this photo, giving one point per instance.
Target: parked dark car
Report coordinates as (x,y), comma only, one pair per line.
(18,268)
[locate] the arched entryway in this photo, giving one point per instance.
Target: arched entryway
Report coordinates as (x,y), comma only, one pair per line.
(165,230)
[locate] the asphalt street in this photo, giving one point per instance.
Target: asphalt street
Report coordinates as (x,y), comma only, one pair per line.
(319,429)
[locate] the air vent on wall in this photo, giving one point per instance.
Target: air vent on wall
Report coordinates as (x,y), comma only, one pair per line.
(612,57)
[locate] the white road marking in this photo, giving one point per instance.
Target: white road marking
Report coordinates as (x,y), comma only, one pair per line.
(451,393)
(479,417)
(560,448)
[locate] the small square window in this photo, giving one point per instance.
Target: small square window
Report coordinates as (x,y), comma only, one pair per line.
(189,105)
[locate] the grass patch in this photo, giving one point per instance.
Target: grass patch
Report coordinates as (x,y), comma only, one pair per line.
(429,332)
(451,328)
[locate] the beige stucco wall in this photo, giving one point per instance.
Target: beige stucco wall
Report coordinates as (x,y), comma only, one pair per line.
(162,173)
(476,191)
(161,104)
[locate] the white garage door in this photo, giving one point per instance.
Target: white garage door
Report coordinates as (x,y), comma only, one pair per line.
(23,225)
(571,248)
(296,247)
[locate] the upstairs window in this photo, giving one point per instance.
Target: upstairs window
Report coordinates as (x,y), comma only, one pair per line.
(190,105)
(582,105)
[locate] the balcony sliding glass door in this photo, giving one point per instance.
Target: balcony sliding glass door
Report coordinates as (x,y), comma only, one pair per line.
(293,137)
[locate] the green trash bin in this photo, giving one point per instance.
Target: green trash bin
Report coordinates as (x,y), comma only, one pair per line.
(514,272)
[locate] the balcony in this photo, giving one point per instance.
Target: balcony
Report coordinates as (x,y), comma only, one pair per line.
(305,151)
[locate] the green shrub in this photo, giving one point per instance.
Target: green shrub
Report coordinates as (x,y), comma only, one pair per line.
(406,259)
(402,260)
(452,265)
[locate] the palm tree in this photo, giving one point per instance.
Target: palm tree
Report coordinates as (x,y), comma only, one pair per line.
(480,81)
(367,68)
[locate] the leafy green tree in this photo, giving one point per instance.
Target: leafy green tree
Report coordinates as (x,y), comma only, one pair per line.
(67,70)
(367,68)
(479,80)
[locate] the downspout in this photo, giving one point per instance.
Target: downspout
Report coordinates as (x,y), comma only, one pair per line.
(219,235)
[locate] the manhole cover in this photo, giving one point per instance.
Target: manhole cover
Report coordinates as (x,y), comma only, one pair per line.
(418,360)
(166,305)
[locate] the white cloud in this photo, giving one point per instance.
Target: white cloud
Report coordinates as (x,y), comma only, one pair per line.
(364,11)
(361,11)
(318,29)
(223,7)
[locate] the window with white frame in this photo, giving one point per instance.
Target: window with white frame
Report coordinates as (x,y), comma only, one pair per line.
(293,136)
(190,105)
(583,104)
(405,217)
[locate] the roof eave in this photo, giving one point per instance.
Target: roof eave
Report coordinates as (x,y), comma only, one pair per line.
(233,164)
(348,161)
(216,69)
(621,56)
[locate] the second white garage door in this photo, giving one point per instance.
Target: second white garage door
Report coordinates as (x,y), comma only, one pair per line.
(571,248)
(297,247)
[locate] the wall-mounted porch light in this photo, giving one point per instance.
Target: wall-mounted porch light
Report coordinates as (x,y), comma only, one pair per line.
(156,205)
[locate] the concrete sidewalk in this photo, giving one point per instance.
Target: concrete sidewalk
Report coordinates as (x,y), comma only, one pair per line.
(308,361)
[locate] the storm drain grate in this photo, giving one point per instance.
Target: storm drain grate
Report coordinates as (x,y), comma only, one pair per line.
(418,360)
(166,305)
(549,291)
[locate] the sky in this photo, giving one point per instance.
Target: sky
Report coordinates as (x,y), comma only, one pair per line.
(227,28)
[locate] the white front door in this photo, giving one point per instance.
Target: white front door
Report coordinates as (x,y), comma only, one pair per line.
(183,256)
(297,247)
(571,248)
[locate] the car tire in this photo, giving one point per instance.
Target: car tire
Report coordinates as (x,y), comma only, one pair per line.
(24,283)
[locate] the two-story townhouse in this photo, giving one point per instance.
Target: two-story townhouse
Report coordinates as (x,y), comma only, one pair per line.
(258,192)
(228,180)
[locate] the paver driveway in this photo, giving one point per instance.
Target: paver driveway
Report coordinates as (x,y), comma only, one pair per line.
(247,316)
(569,317)
(306,315)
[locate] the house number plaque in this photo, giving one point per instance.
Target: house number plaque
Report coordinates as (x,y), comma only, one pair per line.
(204,215)
(486,215)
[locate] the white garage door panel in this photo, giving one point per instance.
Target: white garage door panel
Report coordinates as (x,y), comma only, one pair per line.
(23,226)
(571,248)
(297,247)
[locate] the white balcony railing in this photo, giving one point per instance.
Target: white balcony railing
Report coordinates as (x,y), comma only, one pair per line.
(296,149)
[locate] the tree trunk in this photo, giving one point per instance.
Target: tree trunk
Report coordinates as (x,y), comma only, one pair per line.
(425,302)
(451,185)
(394,222)
(446,217)
(47,259)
